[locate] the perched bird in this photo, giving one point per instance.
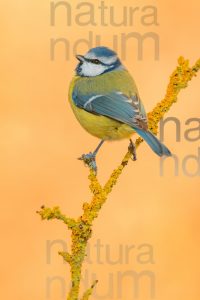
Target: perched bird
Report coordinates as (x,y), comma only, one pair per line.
(106,102)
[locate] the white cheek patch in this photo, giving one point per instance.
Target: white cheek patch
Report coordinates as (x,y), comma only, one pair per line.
(90,69)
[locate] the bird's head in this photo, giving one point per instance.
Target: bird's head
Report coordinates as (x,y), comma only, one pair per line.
(97,61)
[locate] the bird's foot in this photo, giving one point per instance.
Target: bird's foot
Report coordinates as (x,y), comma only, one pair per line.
(132,150)
(90,160)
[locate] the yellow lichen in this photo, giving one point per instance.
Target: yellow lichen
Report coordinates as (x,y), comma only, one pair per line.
(88,293)
(81,228)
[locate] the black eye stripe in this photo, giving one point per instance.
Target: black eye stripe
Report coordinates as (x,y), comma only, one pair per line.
(95,61)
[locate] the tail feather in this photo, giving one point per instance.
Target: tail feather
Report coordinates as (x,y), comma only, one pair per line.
(159,148)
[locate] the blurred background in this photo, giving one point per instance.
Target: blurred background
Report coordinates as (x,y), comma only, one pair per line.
(146,240)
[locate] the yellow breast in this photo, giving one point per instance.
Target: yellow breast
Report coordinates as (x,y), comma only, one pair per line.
(99,126)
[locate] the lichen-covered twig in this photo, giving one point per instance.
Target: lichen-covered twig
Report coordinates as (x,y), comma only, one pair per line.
(81,228)
(55,213)
(88,293)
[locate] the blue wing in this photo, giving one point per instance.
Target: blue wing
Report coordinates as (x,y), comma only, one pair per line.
(115,105)
(123,108)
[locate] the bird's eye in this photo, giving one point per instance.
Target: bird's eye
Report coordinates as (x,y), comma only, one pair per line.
(96,61)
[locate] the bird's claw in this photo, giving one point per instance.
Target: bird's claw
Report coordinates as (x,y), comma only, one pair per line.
(132,150)
(90,160)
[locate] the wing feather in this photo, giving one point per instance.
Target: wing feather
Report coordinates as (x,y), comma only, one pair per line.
(115,105)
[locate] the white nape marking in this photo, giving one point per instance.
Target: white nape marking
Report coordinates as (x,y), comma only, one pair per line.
(91,99)
(103,59)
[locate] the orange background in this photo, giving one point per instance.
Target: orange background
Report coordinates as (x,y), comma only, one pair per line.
(41,139)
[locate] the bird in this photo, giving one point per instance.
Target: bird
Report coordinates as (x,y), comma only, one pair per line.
(105,100)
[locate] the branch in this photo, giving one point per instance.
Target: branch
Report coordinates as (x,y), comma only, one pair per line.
(88,293)
(82,227)
(66,256)
(178,80)
(55,213)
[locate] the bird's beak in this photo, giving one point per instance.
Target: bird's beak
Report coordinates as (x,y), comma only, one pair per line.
(80,58)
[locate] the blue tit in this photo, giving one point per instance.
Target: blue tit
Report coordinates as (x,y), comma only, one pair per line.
(105,100)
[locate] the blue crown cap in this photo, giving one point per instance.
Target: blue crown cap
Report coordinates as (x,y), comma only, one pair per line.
(102,51)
